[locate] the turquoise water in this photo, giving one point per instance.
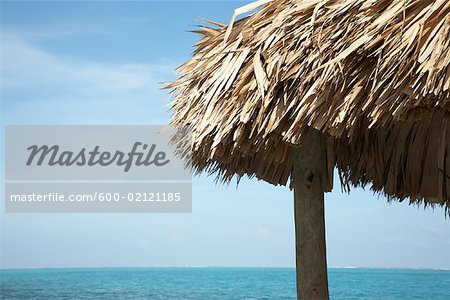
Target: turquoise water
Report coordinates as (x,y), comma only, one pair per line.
(217,283)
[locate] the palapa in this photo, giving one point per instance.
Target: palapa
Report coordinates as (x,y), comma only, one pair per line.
(372,76)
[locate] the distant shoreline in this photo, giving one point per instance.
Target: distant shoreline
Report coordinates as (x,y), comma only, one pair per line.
(218,267)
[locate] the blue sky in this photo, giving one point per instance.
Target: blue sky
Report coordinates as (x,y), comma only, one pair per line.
(101,63)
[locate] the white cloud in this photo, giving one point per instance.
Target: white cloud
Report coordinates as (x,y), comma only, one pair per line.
(264,233)
(38,86)
(60,29)
(26,65)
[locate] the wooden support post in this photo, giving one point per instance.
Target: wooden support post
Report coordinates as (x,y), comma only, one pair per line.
(309,181)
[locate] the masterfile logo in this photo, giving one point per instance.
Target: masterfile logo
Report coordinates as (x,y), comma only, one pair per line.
(53,156)
(95,169)
(92,153)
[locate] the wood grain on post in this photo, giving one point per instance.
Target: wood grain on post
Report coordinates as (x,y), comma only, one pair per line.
(308,180)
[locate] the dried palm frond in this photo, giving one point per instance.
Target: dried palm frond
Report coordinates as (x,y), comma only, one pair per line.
(373,76)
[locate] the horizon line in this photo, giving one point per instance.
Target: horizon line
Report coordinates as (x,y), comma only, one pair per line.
(221,267)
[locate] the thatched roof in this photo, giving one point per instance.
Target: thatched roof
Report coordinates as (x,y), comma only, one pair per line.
(373,76)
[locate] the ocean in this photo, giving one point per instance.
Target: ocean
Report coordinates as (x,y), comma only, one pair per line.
(217,283)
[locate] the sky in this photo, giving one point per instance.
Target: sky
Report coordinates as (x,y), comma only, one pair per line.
(103,63)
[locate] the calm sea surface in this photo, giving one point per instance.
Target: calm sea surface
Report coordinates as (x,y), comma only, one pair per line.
(217,283)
